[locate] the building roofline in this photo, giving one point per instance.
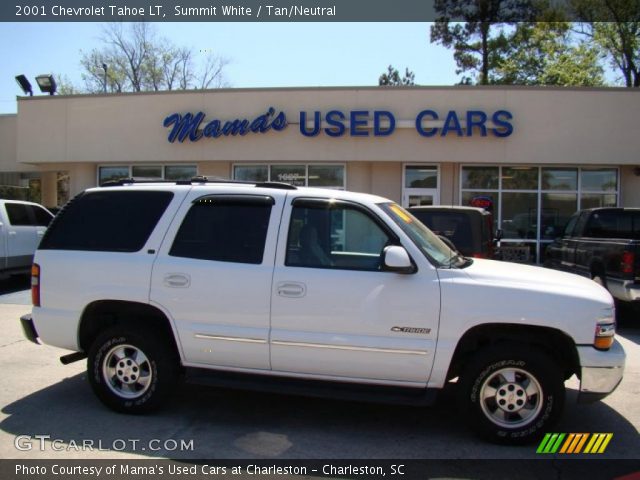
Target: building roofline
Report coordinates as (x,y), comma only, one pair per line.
(339,88)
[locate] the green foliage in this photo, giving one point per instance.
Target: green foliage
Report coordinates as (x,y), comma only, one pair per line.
(392,77)
(543,53)
(474,30)
(614,25)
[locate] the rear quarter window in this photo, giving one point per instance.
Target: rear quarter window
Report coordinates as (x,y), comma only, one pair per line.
(108,221)
(18,214)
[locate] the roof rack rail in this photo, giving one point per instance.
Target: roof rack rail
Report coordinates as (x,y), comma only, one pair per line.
(201,180)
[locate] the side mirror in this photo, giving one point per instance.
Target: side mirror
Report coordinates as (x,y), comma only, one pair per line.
(498,235)
(396,259)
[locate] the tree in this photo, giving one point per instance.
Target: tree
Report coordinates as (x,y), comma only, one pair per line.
(615,26)
(64,85)
(136,59)
(479,39)
(392,77)
(544,53)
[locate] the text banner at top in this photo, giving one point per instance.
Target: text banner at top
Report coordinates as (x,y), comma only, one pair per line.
(269,10)
(217,11)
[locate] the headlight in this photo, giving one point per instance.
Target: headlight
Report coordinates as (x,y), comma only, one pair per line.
(605,331)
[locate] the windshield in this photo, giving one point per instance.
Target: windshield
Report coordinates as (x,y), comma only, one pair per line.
(428,242)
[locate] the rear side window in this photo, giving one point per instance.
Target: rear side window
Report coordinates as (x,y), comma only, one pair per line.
(42,217)
(107,221)
(225,228)
(18,214)
(610,224)
(455,226)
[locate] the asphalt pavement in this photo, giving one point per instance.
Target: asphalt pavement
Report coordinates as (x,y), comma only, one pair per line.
(48,411)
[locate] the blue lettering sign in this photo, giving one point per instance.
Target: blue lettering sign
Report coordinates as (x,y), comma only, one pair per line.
(184,126)
(378,117)
(428,132)
(503,127)
(316,124)
(357,122)
(188,126)
(451,122)
(476,118)
(335,119)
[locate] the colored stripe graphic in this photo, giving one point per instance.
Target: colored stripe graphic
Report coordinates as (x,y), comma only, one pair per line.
(573,443)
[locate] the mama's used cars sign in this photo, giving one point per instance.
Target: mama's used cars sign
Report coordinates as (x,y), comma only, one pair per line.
(337,123)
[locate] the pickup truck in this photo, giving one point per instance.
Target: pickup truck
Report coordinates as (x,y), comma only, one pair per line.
(22,225)
(321,292)
(602,244)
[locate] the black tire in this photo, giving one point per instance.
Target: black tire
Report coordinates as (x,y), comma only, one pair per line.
(509,374)
(149,373)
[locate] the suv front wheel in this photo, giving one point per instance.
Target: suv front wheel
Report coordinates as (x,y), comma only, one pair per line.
(511,393)
(131,371)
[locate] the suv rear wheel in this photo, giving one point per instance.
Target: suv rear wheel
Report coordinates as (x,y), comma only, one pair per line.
(131,371)
(511,394)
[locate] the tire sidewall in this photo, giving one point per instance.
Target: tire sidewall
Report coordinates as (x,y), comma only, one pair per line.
(161,371)
(535,364)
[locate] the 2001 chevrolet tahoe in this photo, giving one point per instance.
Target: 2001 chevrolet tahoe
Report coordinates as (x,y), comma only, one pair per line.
(323,291)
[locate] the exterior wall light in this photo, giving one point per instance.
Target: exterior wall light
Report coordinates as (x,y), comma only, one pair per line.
(47,84)
(25,85)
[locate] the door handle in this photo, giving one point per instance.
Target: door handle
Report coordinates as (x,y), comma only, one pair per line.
(292,289)
(177,280)
(12,232)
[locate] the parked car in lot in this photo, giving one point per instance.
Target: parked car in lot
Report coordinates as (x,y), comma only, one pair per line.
(469,229)
(22,225)
(602,244)
(268,286)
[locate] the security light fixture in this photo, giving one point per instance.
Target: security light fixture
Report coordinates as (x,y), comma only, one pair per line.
(25,85)
(47,84)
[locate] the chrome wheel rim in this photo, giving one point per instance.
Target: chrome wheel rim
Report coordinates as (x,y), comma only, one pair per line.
(127,371)
(511,398)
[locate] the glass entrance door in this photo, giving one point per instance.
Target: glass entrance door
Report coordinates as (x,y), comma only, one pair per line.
(420,185)
(420,197)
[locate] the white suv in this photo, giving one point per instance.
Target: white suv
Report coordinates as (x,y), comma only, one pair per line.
(270,286)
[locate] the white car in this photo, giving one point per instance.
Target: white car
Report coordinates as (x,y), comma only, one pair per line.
(22,225)
(274,287)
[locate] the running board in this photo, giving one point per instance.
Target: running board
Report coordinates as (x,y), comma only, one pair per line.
(313,388)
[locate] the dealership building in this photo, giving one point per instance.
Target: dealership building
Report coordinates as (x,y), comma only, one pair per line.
(532,155)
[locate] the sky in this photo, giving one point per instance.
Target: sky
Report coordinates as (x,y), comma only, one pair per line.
(259,54)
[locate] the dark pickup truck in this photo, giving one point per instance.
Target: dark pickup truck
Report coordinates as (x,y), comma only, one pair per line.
(604,244)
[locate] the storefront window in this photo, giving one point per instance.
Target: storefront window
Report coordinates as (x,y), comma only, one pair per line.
(520,178)
(485,178)
(599,179)
(325,176)
(557,208)
(559,178)
(418,176)
(594,200)
(146,172)
(180,172)
(520,215)
(533,204)
(111,174)
(251,173)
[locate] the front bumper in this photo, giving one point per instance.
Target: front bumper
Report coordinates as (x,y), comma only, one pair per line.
(600,372)
(29,329)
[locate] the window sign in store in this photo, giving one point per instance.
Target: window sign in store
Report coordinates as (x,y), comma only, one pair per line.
(293,174)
